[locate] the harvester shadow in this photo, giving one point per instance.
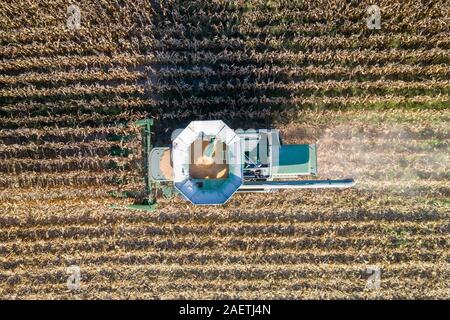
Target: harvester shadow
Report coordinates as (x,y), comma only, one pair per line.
(204,70)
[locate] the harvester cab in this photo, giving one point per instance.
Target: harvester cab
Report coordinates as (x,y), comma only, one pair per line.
(208,162)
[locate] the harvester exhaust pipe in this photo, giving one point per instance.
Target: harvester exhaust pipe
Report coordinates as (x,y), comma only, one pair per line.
(296,184)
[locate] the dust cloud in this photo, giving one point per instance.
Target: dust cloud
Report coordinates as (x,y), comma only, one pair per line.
(386,156)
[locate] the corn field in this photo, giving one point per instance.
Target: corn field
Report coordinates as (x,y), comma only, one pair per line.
(375,100)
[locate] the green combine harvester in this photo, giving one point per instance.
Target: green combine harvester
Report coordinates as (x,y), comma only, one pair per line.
(208,162)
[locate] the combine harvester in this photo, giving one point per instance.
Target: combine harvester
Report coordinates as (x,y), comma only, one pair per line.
(208,162)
